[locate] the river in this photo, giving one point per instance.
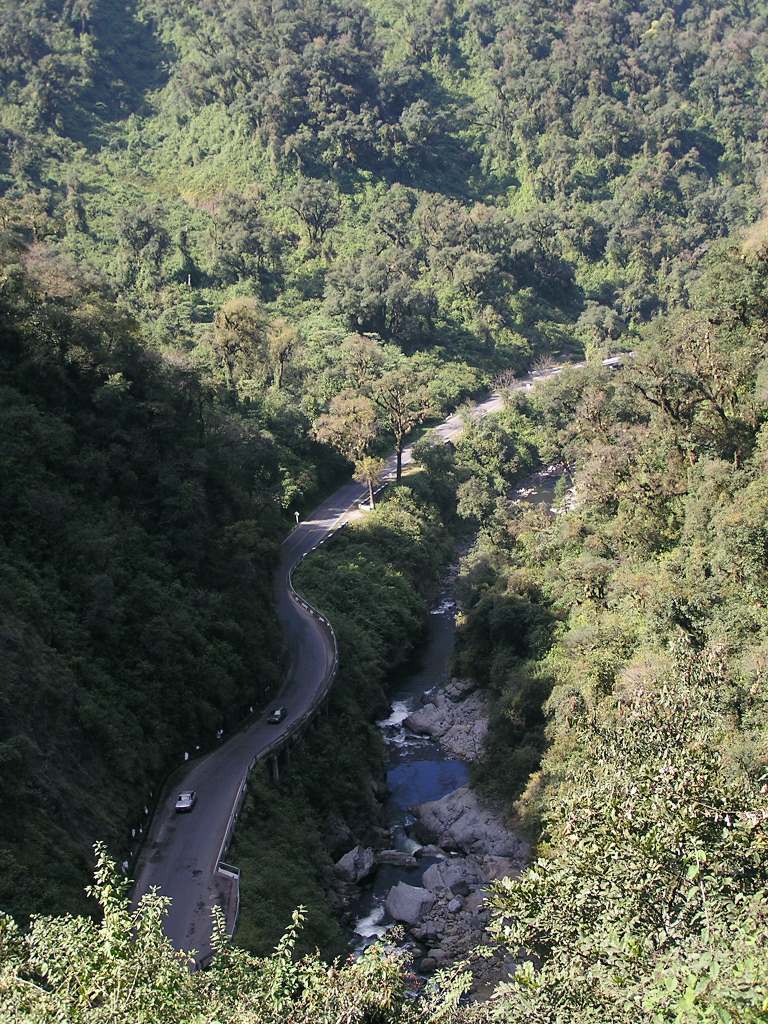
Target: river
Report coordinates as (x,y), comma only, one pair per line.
(418,769)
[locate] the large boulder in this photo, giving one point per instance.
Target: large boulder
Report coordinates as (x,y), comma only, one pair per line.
(355,865)
(459,821)
(409,903)
(460,725)
(454,875)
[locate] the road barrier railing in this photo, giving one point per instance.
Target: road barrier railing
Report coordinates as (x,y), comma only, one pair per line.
(229,871)
(295,729)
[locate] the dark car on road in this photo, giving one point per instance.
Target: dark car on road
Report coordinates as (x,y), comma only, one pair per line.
(277,716)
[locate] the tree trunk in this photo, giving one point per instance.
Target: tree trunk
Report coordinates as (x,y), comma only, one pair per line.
(399,453)
(370,492)
(277,376)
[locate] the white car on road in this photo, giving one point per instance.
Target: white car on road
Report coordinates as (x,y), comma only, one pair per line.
(186,801)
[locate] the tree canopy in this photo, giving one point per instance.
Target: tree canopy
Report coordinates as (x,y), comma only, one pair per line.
(247,247)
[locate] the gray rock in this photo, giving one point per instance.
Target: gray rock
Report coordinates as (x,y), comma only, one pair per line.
(355,865)
(460,725)
(428,965)
(431,851)
(397,857)
(466,738)
(409,903)
(460,822)
(455,905)
(424,722)
(448,873)
(458,689)
(460,888)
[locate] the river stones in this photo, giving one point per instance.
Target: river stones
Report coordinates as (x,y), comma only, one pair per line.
(460,822)
(430,851)
(461,888)
(461,725)
(493,868)
(355,865)
(456,875)
(458,689)
(409,903)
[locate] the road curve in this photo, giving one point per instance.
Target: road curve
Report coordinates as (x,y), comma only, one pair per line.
(181,851)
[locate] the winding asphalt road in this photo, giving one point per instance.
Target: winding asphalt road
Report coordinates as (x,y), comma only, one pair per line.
(180,854)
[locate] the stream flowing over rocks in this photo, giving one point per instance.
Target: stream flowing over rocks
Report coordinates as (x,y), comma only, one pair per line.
(440,846)
(445,850)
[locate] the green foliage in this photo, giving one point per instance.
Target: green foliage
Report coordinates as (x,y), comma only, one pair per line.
(135,553)
(656,845)
(493,451)
(123,969)
(623,642)
(197,204)
(373,583)
(281,852)
(454,172)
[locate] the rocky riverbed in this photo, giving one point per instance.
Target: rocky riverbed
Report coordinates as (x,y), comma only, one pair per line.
(469,847)
(438,846)
(438,857)
(456,715)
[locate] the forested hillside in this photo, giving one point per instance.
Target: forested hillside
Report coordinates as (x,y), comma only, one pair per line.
(625,640)
(246,247)
(138,530)
(477,179)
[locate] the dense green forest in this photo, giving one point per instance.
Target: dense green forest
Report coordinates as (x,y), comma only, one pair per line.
(247,247)
(625,640)
(135,550)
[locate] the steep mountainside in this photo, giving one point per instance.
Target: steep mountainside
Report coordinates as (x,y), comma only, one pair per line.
(248,246)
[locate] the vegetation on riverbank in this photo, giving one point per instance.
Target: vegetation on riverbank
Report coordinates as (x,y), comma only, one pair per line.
(121,969)
(624,639)
(374,581)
